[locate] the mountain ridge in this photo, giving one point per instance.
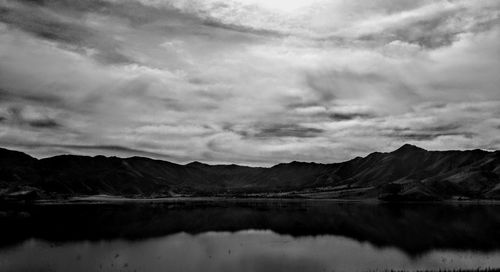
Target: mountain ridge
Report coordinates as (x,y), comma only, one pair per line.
(407,173)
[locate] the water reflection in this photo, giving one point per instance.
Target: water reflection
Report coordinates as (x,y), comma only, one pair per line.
(249,236)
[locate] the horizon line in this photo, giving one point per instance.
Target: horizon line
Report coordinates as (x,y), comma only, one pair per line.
(224,164)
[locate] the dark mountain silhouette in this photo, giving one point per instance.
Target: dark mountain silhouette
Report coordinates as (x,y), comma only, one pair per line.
(408,173)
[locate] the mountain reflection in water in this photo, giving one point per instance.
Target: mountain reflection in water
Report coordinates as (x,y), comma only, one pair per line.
(248,236)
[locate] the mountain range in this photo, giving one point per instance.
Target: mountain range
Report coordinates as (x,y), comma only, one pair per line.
(408,173)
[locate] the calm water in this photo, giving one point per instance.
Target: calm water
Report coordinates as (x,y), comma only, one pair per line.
(249,236)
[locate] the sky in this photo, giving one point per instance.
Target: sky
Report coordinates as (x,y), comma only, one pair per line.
(254,82)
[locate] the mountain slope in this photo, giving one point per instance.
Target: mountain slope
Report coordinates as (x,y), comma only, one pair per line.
(408,173)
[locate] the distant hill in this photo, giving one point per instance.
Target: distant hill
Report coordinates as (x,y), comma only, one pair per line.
(408,173)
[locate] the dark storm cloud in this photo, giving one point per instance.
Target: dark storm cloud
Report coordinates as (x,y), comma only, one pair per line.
(70,32)
(66,22)
(446,127)
(428,133)
(426,32)
(327,112)
(242,29)
(430,26)
(28,97)
(44,123)
(428,137)
(134,12)
(338,116)
(15,115)
(74,8)
(299,105)
(286,130)
(273,131)
(438,32)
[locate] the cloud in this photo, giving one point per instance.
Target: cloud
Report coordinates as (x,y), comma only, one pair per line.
(19,116)
(430,133)
(69,32)
(431,25)
(28,96)
(254,82)
(287,130)
(338,116)
(377,91)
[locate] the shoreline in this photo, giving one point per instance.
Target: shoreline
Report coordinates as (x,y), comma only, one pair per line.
(107,199)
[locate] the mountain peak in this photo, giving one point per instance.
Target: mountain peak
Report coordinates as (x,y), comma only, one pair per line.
(408,148)
(197,163)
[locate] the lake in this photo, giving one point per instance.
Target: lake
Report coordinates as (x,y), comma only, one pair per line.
(265,235)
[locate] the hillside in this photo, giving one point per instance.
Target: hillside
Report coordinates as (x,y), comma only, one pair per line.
(408,173)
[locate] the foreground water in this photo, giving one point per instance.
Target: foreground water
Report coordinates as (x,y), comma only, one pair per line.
(249,236)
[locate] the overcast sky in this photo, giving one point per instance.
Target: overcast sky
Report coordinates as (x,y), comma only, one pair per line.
(253,82)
